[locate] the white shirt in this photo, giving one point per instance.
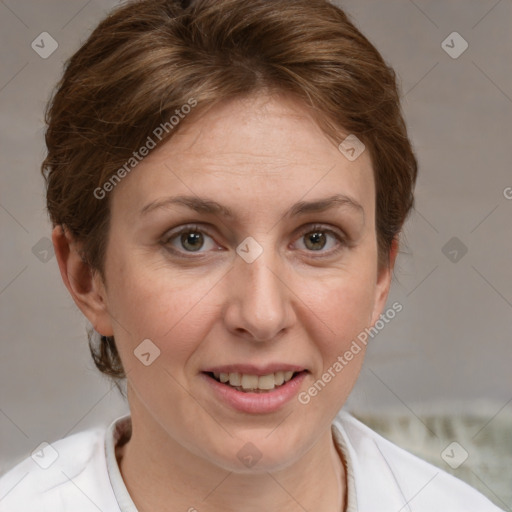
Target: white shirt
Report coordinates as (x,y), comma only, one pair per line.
(82,475)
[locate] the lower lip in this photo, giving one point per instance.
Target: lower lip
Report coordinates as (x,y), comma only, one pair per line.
(256,403)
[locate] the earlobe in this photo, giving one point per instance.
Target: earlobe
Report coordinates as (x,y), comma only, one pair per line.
(83,283)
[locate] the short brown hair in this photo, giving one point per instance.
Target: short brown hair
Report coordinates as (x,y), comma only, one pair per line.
(148,58)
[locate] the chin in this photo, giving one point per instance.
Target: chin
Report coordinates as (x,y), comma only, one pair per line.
(259,456)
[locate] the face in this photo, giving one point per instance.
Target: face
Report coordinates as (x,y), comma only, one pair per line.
(244,246)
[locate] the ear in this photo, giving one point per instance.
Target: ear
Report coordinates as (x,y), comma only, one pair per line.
(384,282)
(83,283)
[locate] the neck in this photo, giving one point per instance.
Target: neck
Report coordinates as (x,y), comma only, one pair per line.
(161,474)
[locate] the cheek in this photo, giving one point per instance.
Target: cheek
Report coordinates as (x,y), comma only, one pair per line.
(164,307)
(339,310)
(340,306)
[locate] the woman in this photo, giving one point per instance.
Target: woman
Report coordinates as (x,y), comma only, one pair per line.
(227,182)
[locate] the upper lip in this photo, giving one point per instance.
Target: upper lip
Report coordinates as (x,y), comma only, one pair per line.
(251,369)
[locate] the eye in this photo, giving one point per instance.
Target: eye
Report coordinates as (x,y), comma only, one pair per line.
(317,238)
(189,239)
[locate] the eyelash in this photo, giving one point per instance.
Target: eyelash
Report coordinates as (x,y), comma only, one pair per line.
(192,228)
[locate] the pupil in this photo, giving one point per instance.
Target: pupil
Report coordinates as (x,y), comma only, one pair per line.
(316,238)
(192,239)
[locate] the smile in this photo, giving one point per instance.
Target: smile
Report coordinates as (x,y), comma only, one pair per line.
(246,382)
(247,392)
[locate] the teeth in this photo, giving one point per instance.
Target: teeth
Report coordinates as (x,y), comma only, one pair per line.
(235,379)
(249,382)
(266,382)
(287,376)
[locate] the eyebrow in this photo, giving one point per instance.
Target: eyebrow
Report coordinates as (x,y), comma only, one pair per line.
(209,206)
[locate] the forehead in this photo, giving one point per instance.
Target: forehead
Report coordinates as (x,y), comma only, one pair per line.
(249,152)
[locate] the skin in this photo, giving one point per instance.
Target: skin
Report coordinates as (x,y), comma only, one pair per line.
(258,156)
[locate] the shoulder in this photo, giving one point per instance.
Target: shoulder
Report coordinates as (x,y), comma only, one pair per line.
(68,474)
(386,477)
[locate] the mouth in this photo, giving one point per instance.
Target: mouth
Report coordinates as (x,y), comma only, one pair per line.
(255,389)
(251,383)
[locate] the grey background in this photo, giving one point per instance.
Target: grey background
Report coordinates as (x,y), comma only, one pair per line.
(451,346)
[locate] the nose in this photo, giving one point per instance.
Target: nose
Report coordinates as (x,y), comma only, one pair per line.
(259,306)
